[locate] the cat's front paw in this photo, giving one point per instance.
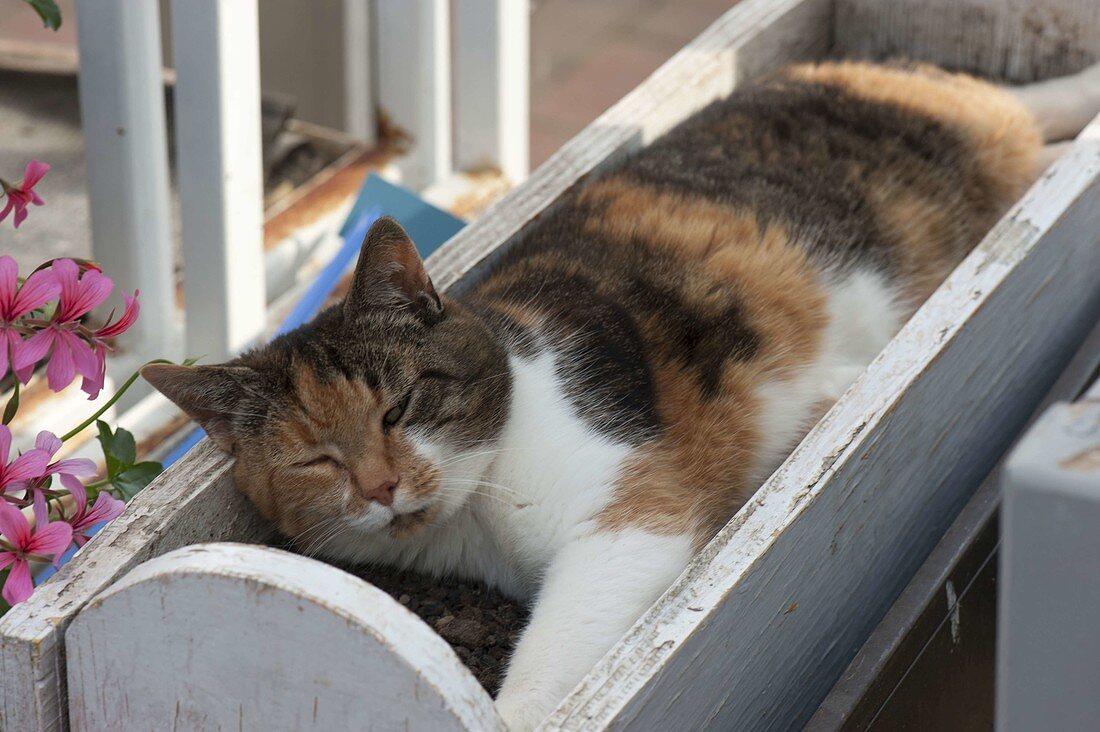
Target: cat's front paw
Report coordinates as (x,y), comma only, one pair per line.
(521,714)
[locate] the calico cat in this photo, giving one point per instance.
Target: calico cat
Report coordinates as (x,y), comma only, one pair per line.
(582,414)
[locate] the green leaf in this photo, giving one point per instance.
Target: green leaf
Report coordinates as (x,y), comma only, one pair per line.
(48,11)
(136,477)
(119,448)
(13,405)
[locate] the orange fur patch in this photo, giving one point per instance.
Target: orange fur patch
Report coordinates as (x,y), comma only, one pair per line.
(1003,134)
(341,416)
(697,474)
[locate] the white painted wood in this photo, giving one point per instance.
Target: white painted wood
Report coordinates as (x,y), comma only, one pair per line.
(126,148)
(492,41)
(193,501)
(1016,40)
(755,632)
(414,84)
(216,53)
(231,636)
(359,96)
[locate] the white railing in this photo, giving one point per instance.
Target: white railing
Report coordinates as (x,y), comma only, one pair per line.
(453,74)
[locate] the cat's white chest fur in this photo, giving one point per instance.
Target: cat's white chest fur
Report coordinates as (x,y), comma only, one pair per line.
(553,472)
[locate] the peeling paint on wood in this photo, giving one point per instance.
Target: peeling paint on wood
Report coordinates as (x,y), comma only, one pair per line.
(231,636)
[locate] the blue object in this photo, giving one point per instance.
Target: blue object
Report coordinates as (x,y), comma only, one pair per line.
(428,226)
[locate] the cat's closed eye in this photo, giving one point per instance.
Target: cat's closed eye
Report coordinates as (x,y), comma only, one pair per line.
(393,416)
(320,461)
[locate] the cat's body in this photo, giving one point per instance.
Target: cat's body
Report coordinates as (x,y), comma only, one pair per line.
(606,392)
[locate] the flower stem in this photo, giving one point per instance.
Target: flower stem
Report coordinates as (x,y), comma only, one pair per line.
(110,402)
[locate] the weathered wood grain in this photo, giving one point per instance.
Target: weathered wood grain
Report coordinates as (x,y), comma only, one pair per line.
(755,632)
(231,636)
(1016,40)
(193,501)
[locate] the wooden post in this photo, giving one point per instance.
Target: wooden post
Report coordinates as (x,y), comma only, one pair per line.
(122,108)
(414,83)
(359,97)
(492,80)
(216,49)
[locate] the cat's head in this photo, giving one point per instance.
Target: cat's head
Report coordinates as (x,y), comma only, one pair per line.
(379,416)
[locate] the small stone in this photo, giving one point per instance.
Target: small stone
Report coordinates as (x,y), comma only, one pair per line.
(464,631)
(404,600)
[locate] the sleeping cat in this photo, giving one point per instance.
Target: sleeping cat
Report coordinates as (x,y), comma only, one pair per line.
(580,415)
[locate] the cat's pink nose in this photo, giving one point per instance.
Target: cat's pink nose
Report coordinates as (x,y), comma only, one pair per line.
(383,492)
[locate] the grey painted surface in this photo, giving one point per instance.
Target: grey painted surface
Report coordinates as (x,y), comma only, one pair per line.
(1048,666)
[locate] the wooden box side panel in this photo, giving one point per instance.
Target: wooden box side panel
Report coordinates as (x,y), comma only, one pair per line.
(191,502)
(755,632)
(1016,40)
(232,636)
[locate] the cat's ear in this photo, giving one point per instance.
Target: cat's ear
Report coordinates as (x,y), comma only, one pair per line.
(390,274)
(210,395)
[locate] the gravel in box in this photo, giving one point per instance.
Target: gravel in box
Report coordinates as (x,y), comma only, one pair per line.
(480,624)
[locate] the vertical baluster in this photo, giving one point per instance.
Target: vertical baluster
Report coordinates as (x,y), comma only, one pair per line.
(216,50)
(492,79)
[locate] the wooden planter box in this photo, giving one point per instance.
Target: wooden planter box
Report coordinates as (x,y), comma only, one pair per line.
(757,629)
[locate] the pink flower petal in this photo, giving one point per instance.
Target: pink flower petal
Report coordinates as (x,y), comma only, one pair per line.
(34,172)
(13,526)
(31,464)
(41,511)
(39,289)
(48,441)
(6,558)
(79,467)
(61,369)
(77,491)
(83,358)
(92,386)
(8,338)
(5,444)
(20,217)
(67,275)
(7,209)
(128,317)
(18,586)
(89,292)
(9,285)
(106,508)
(32,350)
(52,540)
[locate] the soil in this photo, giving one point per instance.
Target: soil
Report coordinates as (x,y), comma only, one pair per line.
(480,624)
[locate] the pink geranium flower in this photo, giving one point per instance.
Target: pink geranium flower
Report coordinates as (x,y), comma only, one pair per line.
(19,543)
(69,352)
(30,465)
(50,443)
(20,196)
(15,302)
(105,508)
(100,346)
